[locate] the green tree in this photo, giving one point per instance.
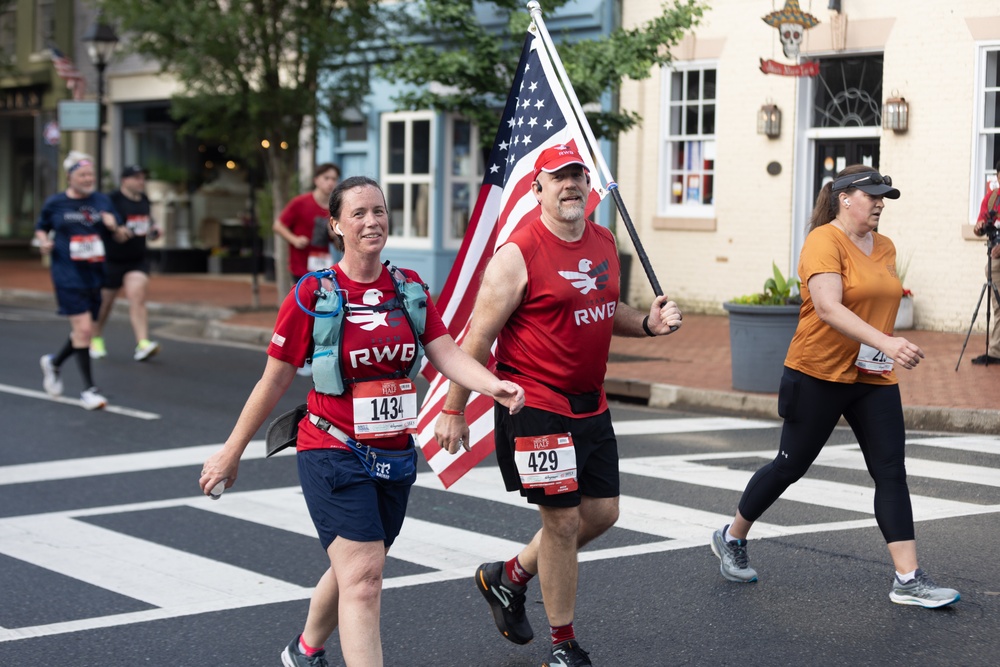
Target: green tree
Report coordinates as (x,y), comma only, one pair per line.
(254,70)
(475,65)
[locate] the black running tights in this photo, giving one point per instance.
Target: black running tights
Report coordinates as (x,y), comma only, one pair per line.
(811,409)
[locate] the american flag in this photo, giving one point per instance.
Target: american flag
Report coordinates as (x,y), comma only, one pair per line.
(537,115)
(68,71)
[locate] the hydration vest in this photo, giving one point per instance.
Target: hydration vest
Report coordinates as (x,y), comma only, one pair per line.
(328,327)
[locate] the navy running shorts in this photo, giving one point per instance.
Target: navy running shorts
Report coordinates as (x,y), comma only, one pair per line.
(114,272)
(74,301)
(343,500)
(594,442)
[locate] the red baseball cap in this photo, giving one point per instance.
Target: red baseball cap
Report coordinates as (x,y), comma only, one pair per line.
(555,158)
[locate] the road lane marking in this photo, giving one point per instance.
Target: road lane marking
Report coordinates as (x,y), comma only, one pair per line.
(75,402)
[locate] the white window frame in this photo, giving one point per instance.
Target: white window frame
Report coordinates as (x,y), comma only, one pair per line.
(980,170)
(665,206)
(408,178)
(473,181)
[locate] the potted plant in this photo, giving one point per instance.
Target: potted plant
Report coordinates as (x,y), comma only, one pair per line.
(761,326)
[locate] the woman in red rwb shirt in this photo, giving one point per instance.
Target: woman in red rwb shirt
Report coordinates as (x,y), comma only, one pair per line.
(356,515)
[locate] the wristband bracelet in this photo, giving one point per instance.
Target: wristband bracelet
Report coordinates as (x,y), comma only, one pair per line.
(645,327)
(457,413)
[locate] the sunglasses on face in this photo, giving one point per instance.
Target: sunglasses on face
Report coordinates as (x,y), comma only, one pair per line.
(858,180)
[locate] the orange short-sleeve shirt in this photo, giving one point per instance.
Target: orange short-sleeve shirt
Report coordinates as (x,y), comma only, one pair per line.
(872,291)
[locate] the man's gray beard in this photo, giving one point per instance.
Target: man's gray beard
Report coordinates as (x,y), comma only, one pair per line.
(571,212)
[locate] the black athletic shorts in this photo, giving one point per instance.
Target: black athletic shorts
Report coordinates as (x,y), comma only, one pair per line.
(114,272)
(594,442)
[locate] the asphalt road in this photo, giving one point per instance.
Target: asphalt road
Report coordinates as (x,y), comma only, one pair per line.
(109,555)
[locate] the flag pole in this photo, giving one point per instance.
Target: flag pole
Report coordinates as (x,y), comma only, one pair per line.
(535,9)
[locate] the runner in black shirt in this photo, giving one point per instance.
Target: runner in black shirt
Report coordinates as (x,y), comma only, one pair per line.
(127,265)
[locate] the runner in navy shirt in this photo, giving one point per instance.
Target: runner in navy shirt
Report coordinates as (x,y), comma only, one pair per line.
(69,231)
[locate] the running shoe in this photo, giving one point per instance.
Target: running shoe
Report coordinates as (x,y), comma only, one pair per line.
(507,603)
(567,654)
(97,349)
(735,563)
(922,591)
(92,399)
(145,349)
(50,376)
(293,657)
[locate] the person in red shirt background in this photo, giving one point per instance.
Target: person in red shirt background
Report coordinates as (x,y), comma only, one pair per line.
(993,352)
(305,220)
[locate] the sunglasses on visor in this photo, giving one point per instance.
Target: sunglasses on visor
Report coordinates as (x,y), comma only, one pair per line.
(858,180)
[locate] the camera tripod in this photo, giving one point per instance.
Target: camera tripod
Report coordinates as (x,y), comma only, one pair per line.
(992,288)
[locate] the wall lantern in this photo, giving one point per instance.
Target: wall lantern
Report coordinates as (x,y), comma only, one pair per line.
(896,114)
(769,121)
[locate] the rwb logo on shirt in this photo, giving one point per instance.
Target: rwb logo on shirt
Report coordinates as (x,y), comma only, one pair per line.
(587,279)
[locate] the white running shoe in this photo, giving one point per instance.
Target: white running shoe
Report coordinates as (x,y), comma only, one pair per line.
(92,399)
(50,376)
(145,349)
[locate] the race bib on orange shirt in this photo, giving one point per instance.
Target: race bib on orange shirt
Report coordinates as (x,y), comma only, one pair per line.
(384,408)
(873,362)
(546,462)
(86,248)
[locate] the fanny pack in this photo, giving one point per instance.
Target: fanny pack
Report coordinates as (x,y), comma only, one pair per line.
(579,404)
(395,466)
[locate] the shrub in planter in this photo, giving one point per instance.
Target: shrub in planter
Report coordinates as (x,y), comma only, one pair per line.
(761,326)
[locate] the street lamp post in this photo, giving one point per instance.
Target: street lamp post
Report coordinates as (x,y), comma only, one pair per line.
(101,41)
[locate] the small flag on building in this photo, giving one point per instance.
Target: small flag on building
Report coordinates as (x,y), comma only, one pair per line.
(68,72)
(538,115)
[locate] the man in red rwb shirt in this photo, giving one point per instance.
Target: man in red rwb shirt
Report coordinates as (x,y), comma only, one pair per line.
(550,299)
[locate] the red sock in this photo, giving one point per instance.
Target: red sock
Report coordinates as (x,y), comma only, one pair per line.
(306,649)
(562,633)
(517,574)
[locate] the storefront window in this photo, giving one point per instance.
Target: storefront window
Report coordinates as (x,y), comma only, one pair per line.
(688,152)
(407,175)
(463,177)
(848,92)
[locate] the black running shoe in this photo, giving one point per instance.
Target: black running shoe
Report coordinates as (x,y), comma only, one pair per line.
(567,654)
(506,602)
(293,657)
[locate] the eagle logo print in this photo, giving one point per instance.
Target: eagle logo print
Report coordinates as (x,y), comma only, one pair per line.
(368,314)
(588,279)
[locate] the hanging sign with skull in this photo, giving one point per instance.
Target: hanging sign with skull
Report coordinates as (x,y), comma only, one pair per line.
(791,23)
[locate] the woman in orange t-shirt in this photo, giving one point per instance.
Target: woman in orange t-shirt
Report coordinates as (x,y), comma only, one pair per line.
(840,363)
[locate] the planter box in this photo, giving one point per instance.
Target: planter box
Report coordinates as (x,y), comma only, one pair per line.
(758,342)
(904,316)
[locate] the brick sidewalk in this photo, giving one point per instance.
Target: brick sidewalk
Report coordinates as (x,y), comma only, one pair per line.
(695,357)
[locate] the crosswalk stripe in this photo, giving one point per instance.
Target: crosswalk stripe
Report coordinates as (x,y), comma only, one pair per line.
(689,425)
(142,570)
(178,583)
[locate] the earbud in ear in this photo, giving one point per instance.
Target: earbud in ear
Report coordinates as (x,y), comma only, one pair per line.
(336,228)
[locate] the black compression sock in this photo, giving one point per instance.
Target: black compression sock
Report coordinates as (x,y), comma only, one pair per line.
(83,361)
(64,353)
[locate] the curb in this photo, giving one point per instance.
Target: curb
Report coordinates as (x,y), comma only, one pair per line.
(765,406)
(208,322)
